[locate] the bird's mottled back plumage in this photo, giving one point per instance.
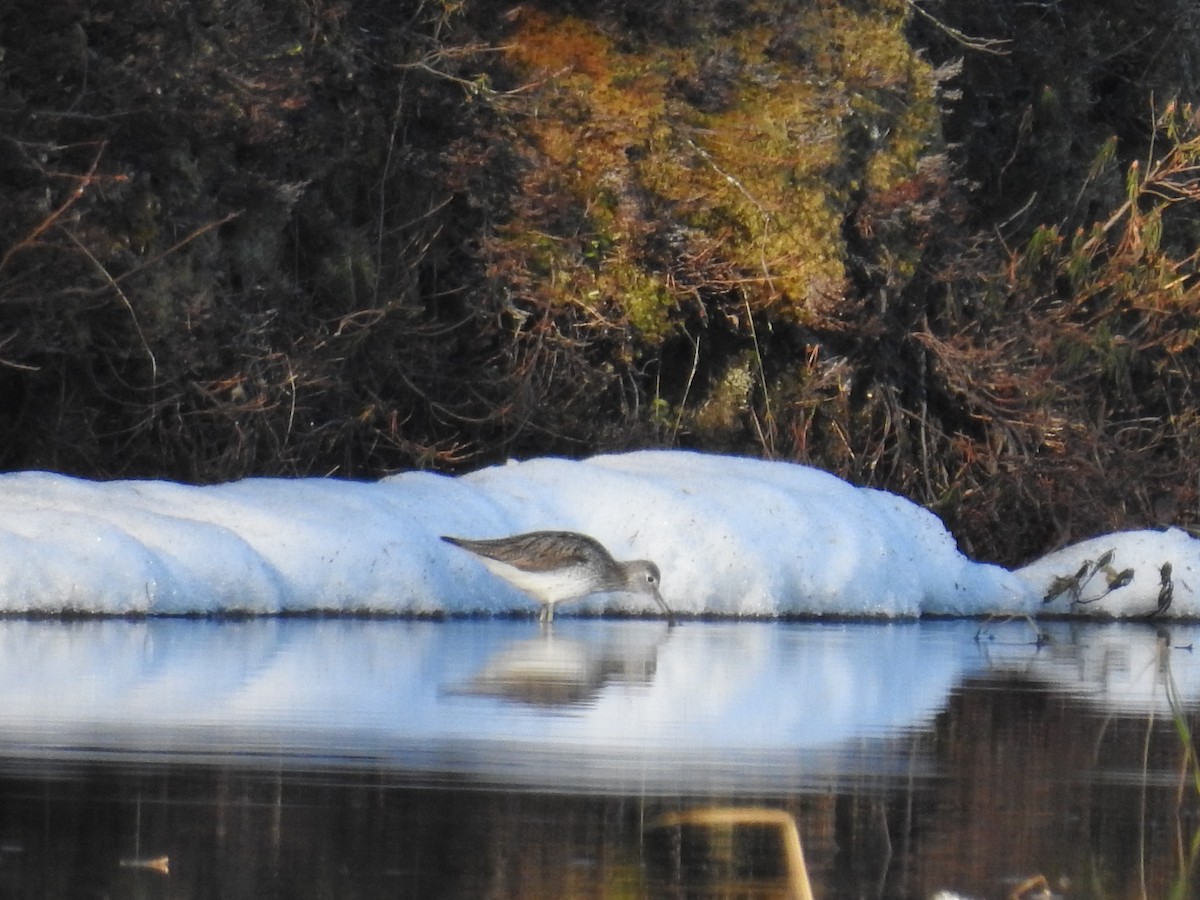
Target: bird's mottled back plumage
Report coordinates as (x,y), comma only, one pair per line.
(538,551)
(555,566)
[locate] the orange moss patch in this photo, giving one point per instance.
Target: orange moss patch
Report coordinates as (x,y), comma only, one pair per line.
(720,168)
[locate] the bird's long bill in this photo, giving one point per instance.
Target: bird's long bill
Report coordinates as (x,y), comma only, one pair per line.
(663,603)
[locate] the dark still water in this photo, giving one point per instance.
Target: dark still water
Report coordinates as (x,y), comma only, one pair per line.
(297,758)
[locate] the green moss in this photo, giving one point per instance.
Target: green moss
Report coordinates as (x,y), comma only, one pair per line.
(646,299)
(724,410)
(744,143)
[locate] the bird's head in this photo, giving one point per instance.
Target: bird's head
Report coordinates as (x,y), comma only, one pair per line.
(643,577)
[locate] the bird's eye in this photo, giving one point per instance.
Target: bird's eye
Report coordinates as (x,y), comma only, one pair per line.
(650,579)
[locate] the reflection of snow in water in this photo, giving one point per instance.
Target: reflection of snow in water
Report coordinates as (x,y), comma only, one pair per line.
(591,702)
(1121,667)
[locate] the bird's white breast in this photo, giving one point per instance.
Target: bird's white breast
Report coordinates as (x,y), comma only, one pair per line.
(553,586)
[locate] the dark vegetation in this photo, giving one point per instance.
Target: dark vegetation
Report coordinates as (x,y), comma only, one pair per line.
(945,249)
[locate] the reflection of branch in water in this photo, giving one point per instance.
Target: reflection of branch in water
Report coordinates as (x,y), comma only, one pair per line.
(159,864)
(1039,637)
(727,852)
(1034,886)
(1190,766)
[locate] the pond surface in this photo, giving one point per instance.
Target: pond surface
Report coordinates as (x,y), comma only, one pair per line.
(305,758)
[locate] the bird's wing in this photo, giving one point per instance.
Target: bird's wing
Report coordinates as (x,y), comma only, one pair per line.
(538,551)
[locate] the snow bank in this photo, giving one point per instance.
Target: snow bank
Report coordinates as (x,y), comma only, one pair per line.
(732,536)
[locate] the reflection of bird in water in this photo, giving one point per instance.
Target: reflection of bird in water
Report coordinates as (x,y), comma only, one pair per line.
(556,566)
(552,672)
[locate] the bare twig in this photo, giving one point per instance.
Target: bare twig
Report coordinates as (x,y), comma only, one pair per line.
(994,46)
(83,182)
(112,282)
